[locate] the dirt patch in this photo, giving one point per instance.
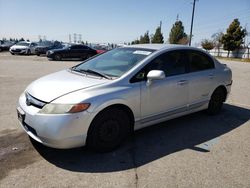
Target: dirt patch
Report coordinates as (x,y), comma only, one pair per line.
(16,151)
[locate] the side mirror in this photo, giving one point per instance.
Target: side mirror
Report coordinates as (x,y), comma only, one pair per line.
(155,75)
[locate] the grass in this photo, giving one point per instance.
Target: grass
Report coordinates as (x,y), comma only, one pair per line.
(234,59)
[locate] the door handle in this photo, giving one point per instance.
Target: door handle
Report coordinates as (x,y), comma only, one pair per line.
(182,82)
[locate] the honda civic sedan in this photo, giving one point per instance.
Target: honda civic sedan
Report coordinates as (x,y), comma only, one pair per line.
(99,102)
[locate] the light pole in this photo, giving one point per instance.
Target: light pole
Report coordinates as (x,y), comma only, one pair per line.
(191,29)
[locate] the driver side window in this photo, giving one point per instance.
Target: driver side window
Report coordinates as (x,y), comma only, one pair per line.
(172,63)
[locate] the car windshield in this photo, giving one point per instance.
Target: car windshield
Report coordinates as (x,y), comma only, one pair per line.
(23,44)
(115,62)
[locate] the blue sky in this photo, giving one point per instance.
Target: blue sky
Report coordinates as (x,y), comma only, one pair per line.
(116,21)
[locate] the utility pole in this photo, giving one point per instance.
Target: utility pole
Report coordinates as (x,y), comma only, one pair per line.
(74,37)
(191,29)
(69,38)
(160,25)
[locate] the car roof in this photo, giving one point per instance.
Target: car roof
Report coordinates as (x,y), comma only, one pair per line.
(160,47)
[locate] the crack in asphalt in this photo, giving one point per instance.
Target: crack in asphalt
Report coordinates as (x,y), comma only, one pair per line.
(132,153)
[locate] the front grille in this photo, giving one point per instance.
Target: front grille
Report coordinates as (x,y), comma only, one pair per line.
(16,50)
(32,101)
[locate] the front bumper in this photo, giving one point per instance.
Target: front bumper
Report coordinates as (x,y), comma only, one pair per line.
(18,51)
(54,130)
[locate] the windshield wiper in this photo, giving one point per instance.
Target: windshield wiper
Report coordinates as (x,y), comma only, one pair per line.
(92,72)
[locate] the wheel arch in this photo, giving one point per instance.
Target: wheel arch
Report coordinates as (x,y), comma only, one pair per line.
(224,89)
(124,107)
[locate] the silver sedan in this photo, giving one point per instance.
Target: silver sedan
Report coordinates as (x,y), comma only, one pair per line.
(100,101)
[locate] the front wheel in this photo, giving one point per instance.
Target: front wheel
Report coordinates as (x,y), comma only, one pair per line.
(28,52)
(108,129)
(57,57)
(216,101)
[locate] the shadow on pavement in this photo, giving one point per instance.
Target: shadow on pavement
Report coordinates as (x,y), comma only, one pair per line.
(151,143)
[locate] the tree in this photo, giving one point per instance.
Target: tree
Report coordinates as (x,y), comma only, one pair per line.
(184,41)
(217,37)
(157,37)
(144,39)
(234,37)
(22,39)
(207,44)
(135,42)
(177,33)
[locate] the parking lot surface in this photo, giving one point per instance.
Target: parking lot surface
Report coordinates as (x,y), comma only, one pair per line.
(192,151)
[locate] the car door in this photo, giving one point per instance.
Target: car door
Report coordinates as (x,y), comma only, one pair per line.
(84,52)
(74,51)
(169,95)
(201,78)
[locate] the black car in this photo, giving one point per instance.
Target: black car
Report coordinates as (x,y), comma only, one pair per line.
(71,51)
(5,45)
(44,46)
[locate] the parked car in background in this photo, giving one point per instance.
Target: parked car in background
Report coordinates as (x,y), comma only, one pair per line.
(100,49)
(5,45)
(44,46)
(100,101)
(23,47)
(76,51)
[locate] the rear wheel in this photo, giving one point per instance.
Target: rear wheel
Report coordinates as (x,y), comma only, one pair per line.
(108,129)
(216,101)
(88,56)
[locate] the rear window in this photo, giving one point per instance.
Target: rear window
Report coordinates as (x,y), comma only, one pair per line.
(199,61)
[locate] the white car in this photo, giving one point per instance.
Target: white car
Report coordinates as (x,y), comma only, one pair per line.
(100,101)
(23,47)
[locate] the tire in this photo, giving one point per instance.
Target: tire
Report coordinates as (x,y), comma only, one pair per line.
(216,101)
(12,53)
(28,52)
(38,54)
(88,56)
(57,57)
(108,129)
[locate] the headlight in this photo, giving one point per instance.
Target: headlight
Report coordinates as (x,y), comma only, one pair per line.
(51,52)
(63,108)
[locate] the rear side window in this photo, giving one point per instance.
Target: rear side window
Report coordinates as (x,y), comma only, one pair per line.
(199,61)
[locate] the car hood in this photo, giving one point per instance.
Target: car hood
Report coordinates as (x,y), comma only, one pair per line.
(60,83)
(19,47)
